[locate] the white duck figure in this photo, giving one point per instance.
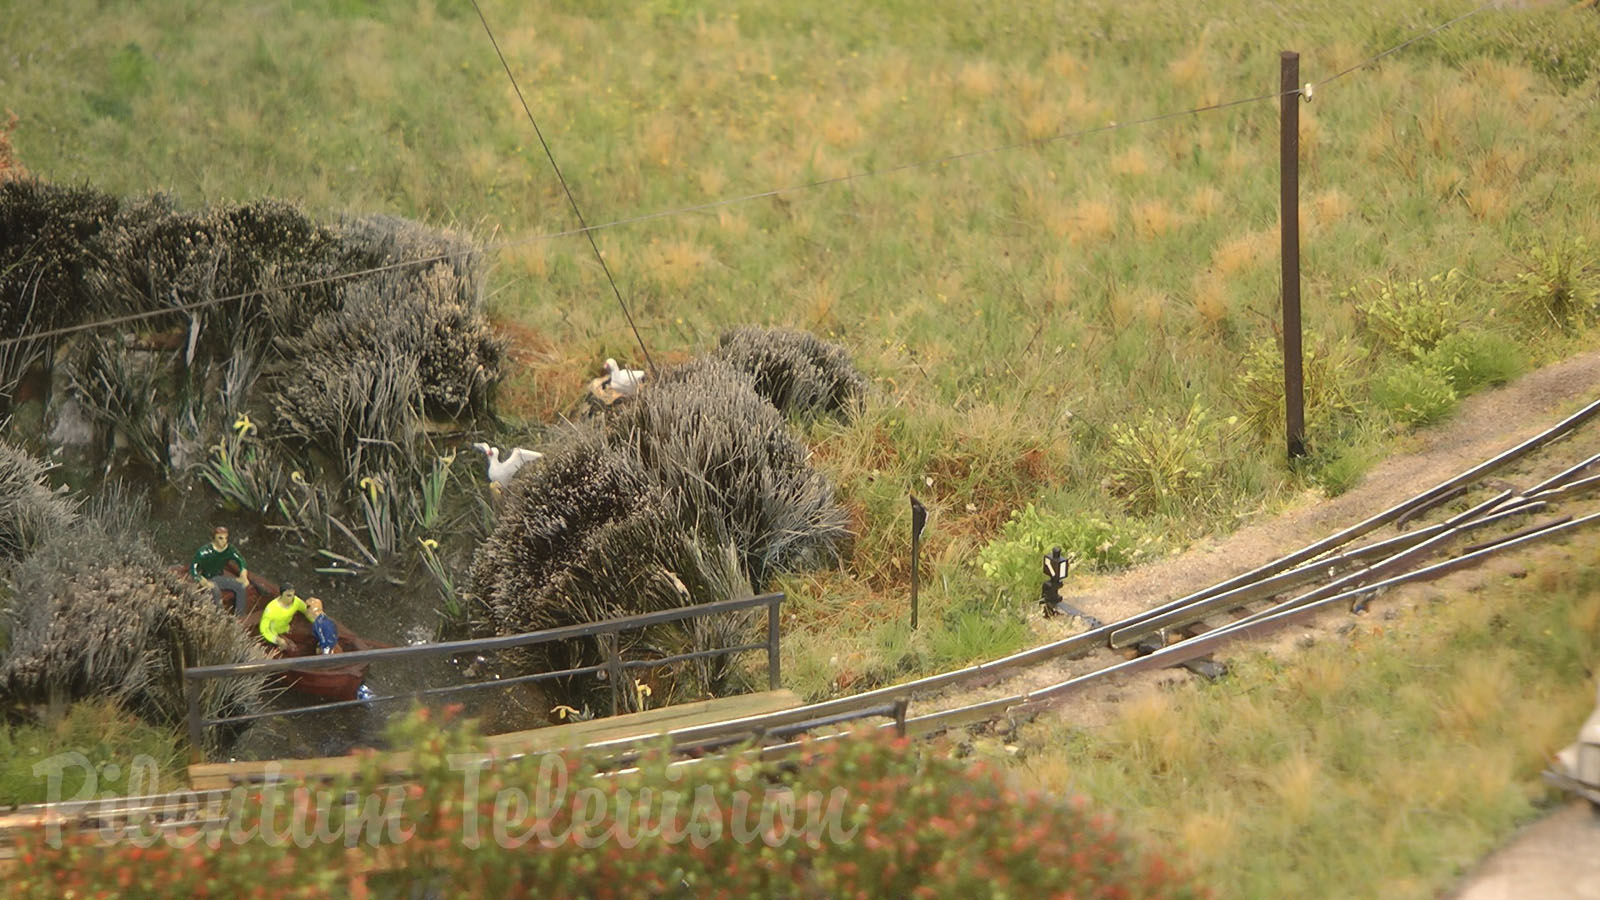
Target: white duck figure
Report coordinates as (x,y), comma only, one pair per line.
(501,470)
(624,381)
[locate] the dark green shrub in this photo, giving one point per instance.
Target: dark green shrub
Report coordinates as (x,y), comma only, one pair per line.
(1470,360)
(1414,394)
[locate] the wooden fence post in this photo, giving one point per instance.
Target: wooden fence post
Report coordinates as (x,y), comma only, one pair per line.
(774,649)
(1289,198)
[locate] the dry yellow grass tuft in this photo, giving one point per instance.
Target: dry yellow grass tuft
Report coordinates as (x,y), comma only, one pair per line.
(1043,120)
(1487,203)
(530,259)
(1205,202)
(1092,221)
(1330,207)
(1211,301)
(658,145)
(1238,159)
(1081,107)
(841,128)
(1478,694)
(1297,781)
(1064,65)
(1499,165)
(1446,182)
(1027,88)
(1131,302)
(1440,121)
(1058,282)
(1242,252)
(1320,676)
(1310,131)
(674,263)
(1514,83)
(1189,69)
(1209,835)
(1145,727)
(979,79)
(815,303)
(720,33)
(1132,163)
(1153,218)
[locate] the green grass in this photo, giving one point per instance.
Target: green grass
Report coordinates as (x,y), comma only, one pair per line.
(122,752)
(1385,762)
(1010,308)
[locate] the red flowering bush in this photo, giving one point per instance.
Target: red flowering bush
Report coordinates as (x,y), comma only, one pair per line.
(864,817)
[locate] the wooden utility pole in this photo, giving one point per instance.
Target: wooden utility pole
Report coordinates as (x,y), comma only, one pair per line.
(1289,185)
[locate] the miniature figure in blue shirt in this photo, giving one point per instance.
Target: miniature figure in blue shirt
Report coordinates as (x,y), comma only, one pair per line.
(323,627)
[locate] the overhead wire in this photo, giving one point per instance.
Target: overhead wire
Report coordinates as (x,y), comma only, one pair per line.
(588,230)
(567,189)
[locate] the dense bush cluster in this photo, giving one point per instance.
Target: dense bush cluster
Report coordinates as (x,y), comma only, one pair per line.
(694,491)
(92,615)
(30,512)
(866,817)
(71,254)
(795,371)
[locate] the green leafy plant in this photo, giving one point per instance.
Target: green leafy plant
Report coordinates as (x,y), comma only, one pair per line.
(1414,394)
(1329,371)
(1013,560)
(1159,464)
(1410,317)
(1558,286)
(1474,359)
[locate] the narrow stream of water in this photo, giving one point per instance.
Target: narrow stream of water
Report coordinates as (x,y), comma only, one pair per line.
(182,520)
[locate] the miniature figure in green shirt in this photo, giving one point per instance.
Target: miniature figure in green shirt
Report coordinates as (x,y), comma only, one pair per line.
(210,569)
(278,616)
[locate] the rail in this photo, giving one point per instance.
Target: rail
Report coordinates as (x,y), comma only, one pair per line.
(605,630)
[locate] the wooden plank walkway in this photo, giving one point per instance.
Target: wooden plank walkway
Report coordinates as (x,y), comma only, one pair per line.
(639,727)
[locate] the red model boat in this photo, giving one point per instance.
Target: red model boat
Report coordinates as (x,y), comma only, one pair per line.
(327,682)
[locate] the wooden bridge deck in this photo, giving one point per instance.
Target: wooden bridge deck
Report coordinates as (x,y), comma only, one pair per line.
(638,727)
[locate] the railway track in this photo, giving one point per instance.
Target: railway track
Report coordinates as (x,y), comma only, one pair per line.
(1338,571)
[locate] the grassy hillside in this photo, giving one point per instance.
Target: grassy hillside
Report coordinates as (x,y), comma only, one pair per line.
(1084,324)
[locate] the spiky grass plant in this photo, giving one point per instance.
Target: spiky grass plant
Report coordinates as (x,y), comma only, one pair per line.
(122,390)
(45,230)
(795,371)
(95,613)
(30,512)
(727,461)
(695,492)
(360,412)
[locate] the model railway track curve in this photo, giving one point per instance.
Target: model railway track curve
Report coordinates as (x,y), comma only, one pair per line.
(1291,589)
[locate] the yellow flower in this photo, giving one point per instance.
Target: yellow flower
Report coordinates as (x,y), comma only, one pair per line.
(243,424)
